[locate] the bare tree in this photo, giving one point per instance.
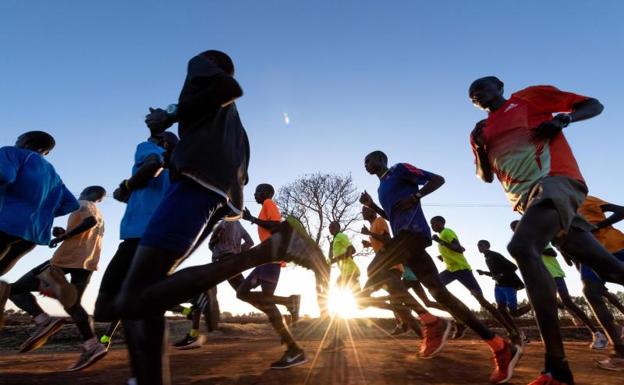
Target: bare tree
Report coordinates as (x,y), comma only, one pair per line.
(318,199)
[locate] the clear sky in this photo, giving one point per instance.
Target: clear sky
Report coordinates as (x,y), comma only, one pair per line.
(352,77)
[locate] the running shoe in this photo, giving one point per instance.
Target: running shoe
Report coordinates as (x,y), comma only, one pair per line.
(289,359)
(546,379)
(600,341)
(293,307)
(189,342)
(53,284)
(505,361)
(5,291)
(90,355)
(613,363)
(525,339)
(435,336)
(43,331)
(460,331)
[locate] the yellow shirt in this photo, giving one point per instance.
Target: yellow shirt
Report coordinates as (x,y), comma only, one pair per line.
(453,260)
(610,237)
(339,246)
(81,251)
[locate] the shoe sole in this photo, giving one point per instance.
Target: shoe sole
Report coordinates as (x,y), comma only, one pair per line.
(188,347)
(609,368)
(512,365)
(43,339)
(291,365)
(445,337)
(93,360)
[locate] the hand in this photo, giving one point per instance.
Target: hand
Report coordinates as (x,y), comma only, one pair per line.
(366,244)
(58,231)
(366,199)
(548,129)
(406,203)
(157,120)
(435,237)
(480,272)
(477,134)
(54,242)
(122,193)
(365,230)
(247,215)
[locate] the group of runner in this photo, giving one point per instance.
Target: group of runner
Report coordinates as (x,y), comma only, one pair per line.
(184,191)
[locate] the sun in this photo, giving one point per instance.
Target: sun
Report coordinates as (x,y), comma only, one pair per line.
(341,303)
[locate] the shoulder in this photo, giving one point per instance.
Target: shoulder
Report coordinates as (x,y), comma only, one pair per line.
(535,91)
(147,148)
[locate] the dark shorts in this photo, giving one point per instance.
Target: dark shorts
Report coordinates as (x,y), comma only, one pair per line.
(506,296)
(181,217)
(588,274)
(465,277)
(562,288)
(265,276)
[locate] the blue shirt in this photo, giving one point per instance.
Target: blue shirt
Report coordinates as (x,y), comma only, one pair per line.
(401,181)
(31,195)
(143,202)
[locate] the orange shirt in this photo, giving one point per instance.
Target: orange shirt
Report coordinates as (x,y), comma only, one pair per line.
(380,226)
(81,251)
(269,212)
(610,237)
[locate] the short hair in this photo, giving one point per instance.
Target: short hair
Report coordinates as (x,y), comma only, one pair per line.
(379,154)
(335,223)
(484,242)
(494,79)
(266,187)
(98,191)
(514,223)
(438,218)
(221,59)
(36,140)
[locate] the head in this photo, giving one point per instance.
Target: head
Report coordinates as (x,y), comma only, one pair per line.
(93,193)
(334,227)
(368,214)
(486,93)
(38,141)
(221,59)
(483,246)
(514,225)
(438,223)
(263,192)
(376,162)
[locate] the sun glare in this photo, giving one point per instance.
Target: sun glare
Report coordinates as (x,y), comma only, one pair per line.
(341,303)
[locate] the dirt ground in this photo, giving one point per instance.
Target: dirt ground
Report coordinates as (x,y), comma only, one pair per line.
(241,354)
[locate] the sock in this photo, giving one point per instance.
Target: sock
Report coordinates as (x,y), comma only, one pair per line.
(496,343)
(194,333)
(42,318)
(105,339)
(428,318)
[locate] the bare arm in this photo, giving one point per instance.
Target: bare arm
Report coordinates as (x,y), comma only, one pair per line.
(618,215)
(85,225)
(484,168)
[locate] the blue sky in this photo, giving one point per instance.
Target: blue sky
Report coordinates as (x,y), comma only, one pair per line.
(353,77)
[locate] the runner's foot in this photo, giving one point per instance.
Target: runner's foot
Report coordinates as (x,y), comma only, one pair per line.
(91,353)
(290,358)
(505,361)
(546,379)
(435,336)
(106,341)
(613,363)
(41,334)
(600,341)
(189,342)
(398,330)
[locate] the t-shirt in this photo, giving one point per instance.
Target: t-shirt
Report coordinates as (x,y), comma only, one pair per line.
(339,246)
(229,235)
(401,181)
(31,195)
(380,226)
(518,160)
(610,237)
(82,251)
(503,269)
(552,265)
(144,201)
(269,212)
(452,259)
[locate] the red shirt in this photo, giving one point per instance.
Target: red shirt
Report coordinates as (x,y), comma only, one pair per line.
(518,160)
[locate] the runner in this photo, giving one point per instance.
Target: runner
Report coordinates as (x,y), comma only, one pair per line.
(503,272)
(209,166)
(522,143)
(457,268)
(77,256)
(31,196)
(593,210)
(400,196)
(267,277)
(549,257)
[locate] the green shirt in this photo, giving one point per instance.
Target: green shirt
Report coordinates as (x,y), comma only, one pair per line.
(339,246)
(453,260)
(553,266)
